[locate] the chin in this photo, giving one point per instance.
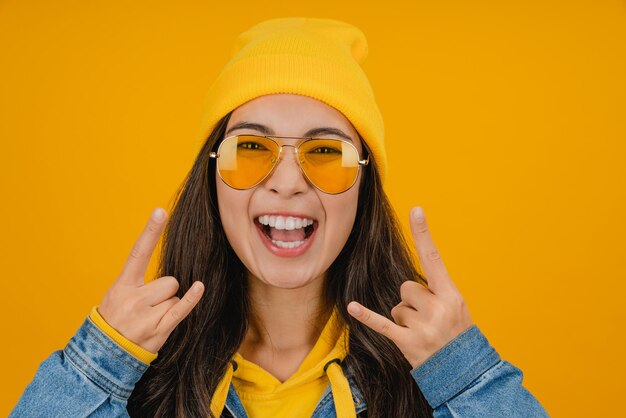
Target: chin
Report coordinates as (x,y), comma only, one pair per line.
(286,279)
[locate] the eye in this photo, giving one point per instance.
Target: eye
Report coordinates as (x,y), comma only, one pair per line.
(325,150)
(251,145)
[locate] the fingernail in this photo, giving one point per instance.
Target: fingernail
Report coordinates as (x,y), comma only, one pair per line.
(195,288)
(158,214)
(354,309)
(418,214)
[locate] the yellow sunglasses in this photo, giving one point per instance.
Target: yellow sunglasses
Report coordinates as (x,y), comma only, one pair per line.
(331,165)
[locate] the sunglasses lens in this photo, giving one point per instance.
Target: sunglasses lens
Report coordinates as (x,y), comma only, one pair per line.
(331,165)
(245,160)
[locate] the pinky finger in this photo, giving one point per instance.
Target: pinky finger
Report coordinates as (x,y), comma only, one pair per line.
(182,308)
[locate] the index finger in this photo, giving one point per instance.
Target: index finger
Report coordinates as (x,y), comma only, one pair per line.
(430,259)
(375,321)
(182,308)
(139,257)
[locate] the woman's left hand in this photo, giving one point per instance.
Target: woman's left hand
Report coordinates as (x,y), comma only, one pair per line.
(427,318)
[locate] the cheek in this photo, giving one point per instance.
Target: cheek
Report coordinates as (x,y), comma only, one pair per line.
(232,207)
(341,213)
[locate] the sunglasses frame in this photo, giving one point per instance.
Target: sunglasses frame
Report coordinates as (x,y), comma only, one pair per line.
(296,147)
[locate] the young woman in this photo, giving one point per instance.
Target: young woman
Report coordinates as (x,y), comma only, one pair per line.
(286,288)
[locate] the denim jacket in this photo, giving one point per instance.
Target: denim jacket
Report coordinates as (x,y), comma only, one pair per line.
(93,376)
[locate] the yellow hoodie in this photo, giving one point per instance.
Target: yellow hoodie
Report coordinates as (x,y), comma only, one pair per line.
(261,394)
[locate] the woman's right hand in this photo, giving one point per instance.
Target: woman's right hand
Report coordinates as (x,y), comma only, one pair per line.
(147,313)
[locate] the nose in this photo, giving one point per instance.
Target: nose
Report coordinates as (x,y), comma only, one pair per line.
(287,178)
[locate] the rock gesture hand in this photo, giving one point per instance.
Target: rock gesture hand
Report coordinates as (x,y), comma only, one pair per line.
(147,313)
(426,318)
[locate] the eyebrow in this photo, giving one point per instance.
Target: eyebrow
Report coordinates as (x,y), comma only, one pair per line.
(325,130)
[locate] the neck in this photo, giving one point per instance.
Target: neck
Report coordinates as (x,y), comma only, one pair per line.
(284,324)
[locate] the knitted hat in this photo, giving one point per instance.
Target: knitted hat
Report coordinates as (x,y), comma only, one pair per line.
(314,57)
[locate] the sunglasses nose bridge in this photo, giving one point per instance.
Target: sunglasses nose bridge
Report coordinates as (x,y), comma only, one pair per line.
(281,156)
(281,152)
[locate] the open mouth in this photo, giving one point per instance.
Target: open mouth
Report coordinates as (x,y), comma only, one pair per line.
(286,231)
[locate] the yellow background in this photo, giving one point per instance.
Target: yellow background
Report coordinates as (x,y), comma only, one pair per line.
(504,121)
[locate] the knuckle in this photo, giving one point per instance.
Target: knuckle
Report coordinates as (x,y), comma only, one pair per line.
(385,328)
(189,299)
(406,286)
(422,228)
(171,280)
(457,299)
(461,305)
(175,315)
(433,255)
(366,316)
(136,252)
(454,299)
(153,228)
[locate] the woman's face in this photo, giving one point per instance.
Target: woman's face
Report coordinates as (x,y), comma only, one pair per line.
(287,193)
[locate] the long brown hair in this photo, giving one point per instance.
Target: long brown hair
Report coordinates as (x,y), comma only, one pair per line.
(370,269)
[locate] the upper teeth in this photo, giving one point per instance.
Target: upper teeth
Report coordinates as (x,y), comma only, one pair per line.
(284,222)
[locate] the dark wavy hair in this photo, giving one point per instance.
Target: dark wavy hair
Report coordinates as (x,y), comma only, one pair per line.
(370,269)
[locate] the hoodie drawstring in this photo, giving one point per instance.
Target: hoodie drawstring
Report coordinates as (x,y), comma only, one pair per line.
(221,392)
(342,395)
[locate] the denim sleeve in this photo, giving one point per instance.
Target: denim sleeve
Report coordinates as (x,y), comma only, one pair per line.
(92,376)
(467,378)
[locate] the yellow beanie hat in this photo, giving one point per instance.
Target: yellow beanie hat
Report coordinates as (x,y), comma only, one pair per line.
(315,57)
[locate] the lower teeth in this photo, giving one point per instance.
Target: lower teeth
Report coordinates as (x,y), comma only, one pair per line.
(287,244)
